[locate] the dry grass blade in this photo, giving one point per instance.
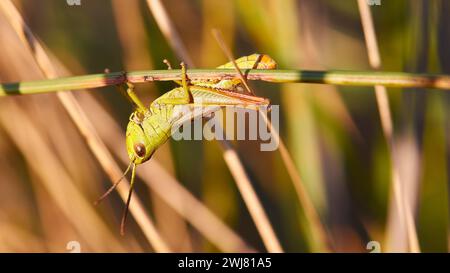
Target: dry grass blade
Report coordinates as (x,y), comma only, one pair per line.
(243,182)
(54,177)
(316,226)
(83,124)
(170,33)
(403,207)
(251,199)
(230,155)
(311,213)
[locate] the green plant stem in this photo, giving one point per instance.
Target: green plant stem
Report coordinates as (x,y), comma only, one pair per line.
(355,78)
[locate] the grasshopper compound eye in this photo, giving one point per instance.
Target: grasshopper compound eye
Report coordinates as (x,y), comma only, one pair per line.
(139,149)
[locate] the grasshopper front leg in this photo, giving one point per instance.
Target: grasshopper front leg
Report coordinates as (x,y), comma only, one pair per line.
(128,90)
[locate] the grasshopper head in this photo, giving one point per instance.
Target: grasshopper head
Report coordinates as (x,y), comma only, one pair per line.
(139,147)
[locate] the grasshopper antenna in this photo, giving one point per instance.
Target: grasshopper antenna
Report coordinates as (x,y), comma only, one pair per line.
(130,192)
(100,199)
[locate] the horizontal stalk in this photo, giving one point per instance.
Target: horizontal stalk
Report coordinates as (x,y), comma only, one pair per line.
(355,78)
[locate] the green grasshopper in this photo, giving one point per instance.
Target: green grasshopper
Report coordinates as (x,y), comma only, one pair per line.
(149,128)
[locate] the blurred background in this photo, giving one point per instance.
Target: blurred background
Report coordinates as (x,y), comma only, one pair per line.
(49,177)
